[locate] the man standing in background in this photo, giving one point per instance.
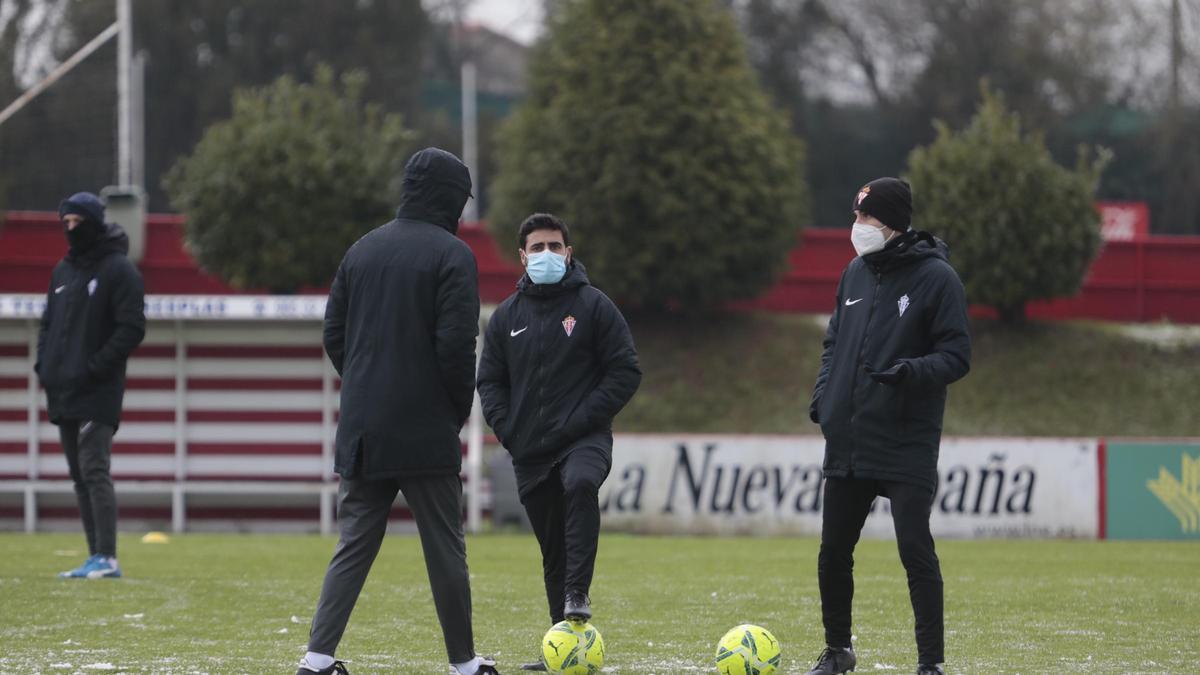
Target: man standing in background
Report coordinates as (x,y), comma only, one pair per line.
(400,328)
(94,319)
(897,338)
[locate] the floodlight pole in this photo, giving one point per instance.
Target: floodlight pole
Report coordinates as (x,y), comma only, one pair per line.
(471,214)
(138,123)
(470,123)
(124,108)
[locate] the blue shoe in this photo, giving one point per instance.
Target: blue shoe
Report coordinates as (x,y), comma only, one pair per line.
(96,567)
(104,567)
(81,571)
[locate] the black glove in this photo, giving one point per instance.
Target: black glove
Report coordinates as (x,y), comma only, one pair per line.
(892,376)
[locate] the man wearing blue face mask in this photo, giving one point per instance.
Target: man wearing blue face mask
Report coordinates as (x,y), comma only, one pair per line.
(558,365)
(897,338)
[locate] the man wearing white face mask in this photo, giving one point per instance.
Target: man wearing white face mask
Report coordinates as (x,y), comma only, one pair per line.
(897,338)
(558,364)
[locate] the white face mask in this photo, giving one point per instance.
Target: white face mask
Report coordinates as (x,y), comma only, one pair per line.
(867,239)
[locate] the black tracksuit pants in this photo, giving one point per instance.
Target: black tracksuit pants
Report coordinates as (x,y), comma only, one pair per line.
(847,502)
(363,509)
(564,510)
(88,447)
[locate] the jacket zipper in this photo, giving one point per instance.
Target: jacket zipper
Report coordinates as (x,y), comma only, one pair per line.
(541,392)
(859,365)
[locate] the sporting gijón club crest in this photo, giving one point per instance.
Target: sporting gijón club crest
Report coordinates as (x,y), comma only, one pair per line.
(569,324)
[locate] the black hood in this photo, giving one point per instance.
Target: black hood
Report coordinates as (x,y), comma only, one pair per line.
(575,277)
(112,239)
(906,249)
(436,187)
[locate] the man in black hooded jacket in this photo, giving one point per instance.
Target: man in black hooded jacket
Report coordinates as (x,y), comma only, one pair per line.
(897,338)
(400,328)
(558,364)
(94,318)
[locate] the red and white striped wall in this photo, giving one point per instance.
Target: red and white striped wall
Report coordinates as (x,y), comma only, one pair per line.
(229,419)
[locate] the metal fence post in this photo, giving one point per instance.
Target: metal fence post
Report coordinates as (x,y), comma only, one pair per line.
(33,449)
(178,500)
(475,467)
(475,446)
(328,428)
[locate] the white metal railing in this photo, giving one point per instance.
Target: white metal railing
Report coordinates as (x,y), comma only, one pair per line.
(184,324)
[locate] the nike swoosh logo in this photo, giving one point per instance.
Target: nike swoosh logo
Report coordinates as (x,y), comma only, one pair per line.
(60,288)
(853,302)
(515,333)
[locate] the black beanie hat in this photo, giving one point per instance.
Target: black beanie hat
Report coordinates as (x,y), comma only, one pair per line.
(889,200)
(84,204)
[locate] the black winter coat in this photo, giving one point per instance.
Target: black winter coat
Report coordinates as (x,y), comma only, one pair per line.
(902,304)
(400,328)
(558,365)
(95,317)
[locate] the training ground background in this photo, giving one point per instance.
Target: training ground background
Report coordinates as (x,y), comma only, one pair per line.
(241,604)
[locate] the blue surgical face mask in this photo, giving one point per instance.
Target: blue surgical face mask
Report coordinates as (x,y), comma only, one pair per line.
(545,267)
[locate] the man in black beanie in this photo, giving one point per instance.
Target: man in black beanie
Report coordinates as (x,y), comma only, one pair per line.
(897,338)
(94,318)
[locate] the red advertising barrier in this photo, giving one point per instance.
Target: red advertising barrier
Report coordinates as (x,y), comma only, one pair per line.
(1145,278)
(32,242)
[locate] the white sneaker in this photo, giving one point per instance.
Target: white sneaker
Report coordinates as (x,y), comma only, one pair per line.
(483,666)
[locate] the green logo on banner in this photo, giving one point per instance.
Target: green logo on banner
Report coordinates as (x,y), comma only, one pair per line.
(1153,490)
(1180,495)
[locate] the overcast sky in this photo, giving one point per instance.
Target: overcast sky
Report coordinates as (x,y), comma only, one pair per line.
(520,19)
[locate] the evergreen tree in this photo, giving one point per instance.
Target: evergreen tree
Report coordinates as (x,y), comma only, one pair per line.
(1020,227)
(645,129)
(276,194)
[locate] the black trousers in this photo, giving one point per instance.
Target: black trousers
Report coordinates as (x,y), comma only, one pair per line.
(88,447)
(363,508)
(564,510)
(846,505)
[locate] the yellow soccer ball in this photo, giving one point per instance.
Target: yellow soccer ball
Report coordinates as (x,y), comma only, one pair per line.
(573,648)
(748,650)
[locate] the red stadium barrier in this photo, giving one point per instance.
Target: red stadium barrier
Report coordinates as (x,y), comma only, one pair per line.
(1146,279)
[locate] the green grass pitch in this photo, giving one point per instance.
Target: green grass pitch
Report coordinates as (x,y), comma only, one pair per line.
(241,604)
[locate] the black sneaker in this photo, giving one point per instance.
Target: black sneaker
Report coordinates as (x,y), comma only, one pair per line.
(923,669)
(834,661)
(539,667)
(338,668)
(577,606)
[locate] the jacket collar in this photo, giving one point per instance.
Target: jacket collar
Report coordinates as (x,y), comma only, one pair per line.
(906,249)
(112,240)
